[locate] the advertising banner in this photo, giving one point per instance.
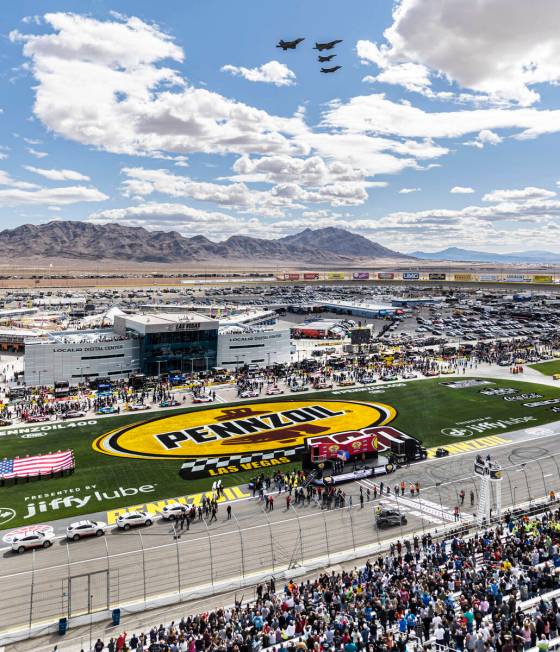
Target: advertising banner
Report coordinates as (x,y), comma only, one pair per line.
(464,277)
(411,276)
(517,278)
(310,276)
(386,276)
(437,276)
(488,277)
(336,276)
(360,276)
(543,279)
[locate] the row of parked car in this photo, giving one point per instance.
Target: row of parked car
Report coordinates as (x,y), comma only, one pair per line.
(90,528)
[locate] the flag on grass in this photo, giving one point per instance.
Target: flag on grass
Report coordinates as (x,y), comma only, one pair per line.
(23,467)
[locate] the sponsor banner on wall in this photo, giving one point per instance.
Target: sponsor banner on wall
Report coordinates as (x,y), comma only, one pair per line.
(488,277)
(335,276)
(411,276)
(437,276)
(463,277)
(543,278)
(517,278)
(386,276)
(310,276)
(360,276)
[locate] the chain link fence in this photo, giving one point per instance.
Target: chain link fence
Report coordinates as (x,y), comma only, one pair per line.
(157,566)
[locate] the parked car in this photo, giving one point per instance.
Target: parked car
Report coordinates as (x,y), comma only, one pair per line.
(133,519)
(32,540)
(87,528)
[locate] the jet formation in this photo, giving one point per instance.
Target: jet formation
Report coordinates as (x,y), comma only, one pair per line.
(320,47)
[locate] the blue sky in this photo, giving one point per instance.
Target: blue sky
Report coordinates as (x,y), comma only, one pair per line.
(441,128)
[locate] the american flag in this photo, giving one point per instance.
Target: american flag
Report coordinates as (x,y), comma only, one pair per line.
(22,467)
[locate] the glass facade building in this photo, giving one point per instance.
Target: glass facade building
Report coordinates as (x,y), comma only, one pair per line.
(183,350)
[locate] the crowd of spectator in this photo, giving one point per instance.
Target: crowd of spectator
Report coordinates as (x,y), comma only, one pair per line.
(463,593)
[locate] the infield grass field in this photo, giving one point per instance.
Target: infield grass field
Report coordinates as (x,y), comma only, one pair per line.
(426,409)
(547,368)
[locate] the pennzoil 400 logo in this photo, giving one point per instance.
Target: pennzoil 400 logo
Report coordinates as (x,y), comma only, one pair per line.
(268,430)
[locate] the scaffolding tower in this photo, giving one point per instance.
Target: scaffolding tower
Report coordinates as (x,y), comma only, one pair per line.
(490,473)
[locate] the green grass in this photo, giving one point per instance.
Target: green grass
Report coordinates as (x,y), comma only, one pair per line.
(547,368)
(425,408)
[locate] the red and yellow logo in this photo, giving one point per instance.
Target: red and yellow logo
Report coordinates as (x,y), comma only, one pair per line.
(226,431)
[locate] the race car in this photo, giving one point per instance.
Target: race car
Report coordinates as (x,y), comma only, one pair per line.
(5,422)
(133,519)
(442,452)
(173,510)
(107,409)
(408,375)
(323,384)
(367,380)
(389,377)
(249,393)
(202,398)
(345,382)
(37,418)
(274,389)
(135,407)
(299,388)
(32,540)
(80,529)
(73,414)
(171,402)
(388,517)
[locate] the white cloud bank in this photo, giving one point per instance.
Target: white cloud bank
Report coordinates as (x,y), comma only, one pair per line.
(272,72)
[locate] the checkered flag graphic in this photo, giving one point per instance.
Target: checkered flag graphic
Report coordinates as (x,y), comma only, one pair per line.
(203,465)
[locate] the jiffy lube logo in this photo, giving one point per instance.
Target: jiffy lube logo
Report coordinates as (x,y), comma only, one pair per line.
(226,431)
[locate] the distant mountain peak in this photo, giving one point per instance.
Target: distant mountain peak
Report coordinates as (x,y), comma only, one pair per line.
(113,241)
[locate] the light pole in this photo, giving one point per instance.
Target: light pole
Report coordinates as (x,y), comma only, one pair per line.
(40,371)
(82,373)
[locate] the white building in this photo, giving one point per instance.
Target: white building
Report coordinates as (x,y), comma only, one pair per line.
(238,346)
(152,343)
(78,356)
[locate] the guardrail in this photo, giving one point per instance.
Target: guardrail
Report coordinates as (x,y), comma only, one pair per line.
(245,551)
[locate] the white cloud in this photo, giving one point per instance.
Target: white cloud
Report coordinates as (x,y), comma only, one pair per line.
(184,219)
(376,114)
(485,137)
(466,42)
(57,175)
(461,190)
(36,153)
(52,196)
(312,171)
(101,83)
(530,192)
(7,180)
(272,72)
(142,182)
(407,191)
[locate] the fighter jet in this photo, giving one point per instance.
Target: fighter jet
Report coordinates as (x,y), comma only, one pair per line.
(289,45)
(326,46)
(323,59)
(333,69)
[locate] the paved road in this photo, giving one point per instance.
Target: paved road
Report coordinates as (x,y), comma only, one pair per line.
(90,575)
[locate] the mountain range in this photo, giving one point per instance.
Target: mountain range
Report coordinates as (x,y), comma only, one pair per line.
(466,255)
(88,241)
